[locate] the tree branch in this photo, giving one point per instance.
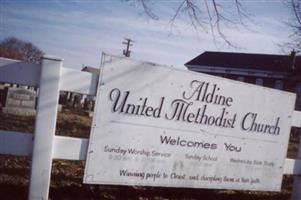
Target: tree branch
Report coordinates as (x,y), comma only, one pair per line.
(208,15)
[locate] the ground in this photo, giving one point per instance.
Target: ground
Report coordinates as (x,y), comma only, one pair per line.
(66,177)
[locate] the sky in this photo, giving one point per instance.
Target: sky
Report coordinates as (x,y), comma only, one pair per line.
(78,31)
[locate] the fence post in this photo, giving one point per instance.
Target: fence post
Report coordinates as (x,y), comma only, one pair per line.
(296,194)
(45,128)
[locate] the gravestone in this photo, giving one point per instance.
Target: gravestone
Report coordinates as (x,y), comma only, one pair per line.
(63,99)
(3,92)
(77,101)
(20,101)
(89,104)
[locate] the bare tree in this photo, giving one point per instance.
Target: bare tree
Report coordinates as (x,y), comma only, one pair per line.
(294,42)
(206,15)
(18,49)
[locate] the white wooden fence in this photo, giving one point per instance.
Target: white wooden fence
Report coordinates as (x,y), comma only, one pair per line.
(44,145)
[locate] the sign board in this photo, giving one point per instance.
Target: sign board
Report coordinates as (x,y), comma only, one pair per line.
(160,126)
(20,101)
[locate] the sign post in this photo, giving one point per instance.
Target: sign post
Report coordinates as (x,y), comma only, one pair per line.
(159,126)
(45,128)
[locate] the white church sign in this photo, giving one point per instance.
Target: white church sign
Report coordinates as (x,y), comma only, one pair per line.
(159,126)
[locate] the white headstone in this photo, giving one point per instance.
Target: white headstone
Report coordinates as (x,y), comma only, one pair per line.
(20,101)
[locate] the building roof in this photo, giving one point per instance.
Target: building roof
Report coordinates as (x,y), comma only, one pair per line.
(90,69)
(267,62)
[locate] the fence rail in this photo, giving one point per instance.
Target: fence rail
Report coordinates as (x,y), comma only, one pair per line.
(78,81)
(23,73)
(70,148)
(19,72)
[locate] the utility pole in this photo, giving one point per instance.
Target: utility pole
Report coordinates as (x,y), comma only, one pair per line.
(128,42)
